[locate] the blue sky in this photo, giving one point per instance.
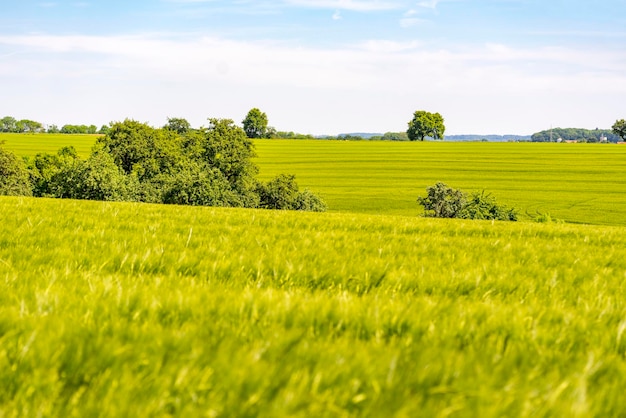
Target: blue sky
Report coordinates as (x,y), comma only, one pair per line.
(317,66)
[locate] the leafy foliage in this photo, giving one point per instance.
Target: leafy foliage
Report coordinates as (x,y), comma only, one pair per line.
(255,124)
(178,125)
(211,166)
(282,192)
(443,201)
(14,179)
(484,206)
(619,128)
(425,124)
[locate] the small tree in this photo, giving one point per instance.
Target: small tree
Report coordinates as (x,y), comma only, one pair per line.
(255,124)
(178,125)
(425,124)
(619,128)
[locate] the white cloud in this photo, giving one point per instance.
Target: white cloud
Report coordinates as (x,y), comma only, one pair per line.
(372,86)
(429,4)
(337,15)
(355,5)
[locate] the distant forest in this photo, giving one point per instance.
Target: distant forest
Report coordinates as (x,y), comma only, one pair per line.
(575,134)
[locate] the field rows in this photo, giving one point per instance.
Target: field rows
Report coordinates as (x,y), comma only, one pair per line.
(579,183)
(582,183)
(143,310)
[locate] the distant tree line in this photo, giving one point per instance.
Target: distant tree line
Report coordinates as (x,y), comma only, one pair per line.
(10,124)
(575,134)
(175,164)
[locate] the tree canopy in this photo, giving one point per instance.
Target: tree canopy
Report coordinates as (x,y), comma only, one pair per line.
(426,125)
(619,128)
(14,179)
(211,166)
(255,124)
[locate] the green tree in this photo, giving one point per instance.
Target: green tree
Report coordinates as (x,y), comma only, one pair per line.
(226,147)
(8,124)
(26,125)
(255,124)
(178,125)
(425,124)
(140,149)
(619,128)
(14,178)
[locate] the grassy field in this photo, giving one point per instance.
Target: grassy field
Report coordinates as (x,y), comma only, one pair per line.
(582,183)
(142,310)
(579,183)
(29,145)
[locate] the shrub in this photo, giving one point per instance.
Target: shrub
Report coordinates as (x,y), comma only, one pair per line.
(442,201)
(484,206)
(282,193)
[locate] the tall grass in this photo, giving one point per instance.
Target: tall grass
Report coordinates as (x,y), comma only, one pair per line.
(141,310)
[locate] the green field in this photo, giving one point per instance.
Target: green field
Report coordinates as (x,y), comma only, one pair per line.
(579,183)
(582,183)
(121,309)
(29,145)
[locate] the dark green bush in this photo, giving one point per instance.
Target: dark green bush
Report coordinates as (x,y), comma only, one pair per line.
(442,201)
(282,192)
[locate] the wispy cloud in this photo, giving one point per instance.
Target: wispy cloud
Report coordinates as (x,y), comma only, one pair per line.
(355,5)
(429,4)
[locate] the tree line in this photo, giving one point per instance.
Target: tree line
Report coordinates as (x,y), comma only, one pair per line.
(175,164)
(255,125)
(12,125)
(576,134)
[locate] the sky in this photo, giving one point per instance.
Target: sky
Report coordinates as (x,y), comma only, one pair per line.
(317,66)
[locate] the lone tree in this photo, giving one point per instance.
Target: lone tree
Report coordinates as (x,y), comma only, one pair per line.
(425,124)
(255,124)
(619,128)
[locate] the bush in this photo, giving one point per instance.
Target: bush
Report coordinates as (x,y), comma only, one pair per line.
(200,186)
(484,206)
(282,193)
(14,178)
(442,201)
(445,202)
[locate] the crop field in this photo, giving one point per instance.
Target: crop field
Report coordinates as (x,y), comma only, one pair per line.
(123,309)
(29,145)
(580,183)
